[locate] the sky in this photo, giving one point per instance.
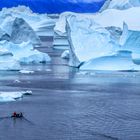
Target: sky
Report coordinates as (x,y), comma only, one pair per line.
(56,6)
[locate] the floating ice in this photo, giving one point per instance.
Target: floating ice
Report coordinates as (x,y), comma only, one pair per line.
(65,54)
(26,71)
(13,96)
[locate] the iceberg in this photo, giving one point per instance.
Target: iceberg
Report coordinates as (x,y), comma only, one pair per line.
(81,31)
(7,61)
(120,4)
(33,19)
(107,18)
(18,36)
(132,43)
(42,24)
(22,32)
(96,43)
(122,61)
(17,31)
(30,54)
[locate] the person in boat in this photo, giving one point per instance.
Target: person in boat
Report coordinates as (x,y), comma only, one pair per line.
(17,115)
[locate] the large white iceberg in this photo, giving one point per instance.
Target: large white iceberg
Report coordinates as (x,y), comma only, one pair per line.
(95,39)
(88,40)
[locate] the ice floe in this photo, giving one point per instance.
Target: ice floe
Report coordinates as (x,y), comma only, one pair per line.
(13,96)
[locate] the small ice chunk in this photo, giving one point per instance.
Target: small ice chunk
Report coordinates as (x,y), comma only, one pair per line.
(65,54)
(17,81)
(26,71)
(48,70)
